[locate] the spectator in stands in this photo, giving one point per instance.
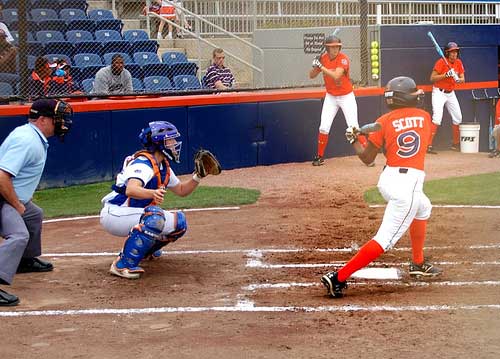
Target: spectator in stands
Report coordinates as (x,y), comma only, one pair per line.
(62,82)
(39,81)
(167,11)
(8,54)
(8,35)
(114,79)
(218,76)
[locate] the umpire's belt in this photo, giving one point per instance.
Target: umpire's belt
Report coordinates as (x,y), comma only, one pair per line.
(445,91)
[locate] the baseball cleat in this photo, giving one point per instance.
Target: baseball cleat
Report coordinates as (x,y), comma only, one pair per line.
(494,153)
(431,150)
(455,147)
(129,273)
(425,269)
(333,286)
(318,161)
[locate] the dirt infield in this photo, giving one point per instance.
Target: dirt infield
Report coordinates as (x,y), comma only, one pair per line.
(245,283)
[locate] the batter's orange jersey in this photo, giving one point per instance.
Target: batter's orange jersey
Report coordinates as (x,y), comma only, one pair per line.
(497,117)
(405,135)
(448,83)
(342,86)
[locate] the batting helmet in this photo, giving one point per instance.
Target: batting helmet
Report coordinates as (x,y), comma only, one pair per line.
(332,40)
(158,137)
(402,92)
(451,46)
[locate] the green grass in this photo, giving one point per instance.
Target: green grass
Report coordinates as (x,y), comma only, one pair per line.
(481,189)
(86,199)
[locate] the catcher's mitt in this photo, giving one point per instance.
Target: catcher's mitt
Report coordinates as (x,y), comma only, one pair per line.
(205,163)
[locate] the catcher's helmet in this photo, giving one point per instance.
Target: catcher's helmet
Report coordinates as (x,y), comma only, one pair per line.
(158,137)
(451,46)
(332,40)
(402,92)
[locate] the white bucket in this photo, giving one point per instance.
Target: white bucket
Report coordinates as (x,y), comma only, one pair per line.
(469,137)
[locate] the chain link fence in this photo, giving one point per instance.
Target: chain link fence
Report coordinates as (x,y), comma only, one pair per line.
(77,47)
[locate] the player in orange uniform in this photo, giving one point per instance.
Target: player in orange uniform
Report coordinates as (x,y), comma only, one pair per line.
(443,92)
(334,65)
(404,135)
(496,133)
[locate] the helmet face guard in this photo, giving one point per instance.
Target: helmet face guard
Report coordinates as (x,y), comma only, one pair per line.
(62,119)
(161,136)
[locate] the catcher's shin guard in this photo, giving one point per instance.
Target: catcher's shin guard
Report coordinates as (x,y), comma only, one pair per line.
(142,238)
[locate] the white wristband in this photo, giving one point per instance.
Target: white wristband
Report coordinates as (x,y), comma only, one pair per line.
(196,178)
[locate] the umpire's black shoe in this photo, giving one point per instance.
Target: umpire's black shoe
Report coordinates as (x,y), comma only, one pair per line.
(8,300)
(333,285)
(29,265)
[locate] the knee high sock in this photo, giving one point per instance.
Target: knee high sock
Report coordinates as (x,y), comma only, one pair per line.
(456,134)
(417,237)
(369,252)
(322,142)
(434,129)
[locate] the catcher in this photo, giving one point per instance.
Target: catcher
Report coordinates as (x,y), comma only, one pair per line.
(132,208)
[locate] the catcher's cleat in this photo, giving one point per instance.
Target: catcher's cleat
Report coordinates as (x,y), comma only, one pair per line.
(333,285)
(425,269)
(155,255)
(455,147)
(318,161)
(431,150)
(119,270)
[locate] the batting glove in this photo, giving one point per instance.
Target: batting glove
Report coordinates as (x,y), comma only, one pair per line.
(451,73)
(351,134)
(317,63)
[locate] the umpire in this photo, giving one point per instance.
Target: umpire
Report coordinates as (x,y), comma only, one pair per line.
(22,159)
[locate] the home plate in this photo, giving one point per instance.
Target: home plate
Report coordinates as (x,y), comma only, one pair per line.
(378,273)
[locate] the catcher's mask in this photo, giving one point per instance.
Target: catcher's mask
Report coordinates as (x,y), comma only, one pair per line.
(403,92)
(161,136)
(60,111)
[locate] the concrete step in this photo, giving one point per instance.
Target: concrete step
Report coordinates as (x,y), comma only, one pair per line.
(99,4)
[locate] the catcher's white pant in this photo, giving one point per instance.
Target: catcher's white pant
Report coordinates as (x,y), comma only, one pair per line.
(331,106)
(402,188)
(119,220)
(441,99)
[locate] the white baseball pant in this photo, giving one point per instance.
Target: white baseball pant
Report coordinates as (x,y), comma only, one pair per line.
(402,188)
(331,106)
(441,99)
(119,220)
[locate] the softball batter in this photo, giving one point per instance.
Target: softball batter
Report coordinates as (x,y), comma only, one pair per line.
(404,135)
(334,65)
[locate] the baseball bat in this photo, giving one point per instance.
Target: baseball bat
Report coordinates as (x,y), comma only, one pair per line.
(438,49)
(370,127)
(334,33)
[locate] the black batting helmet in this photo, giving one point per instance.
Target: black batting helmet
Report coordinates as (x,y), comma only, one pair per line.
(332,40)
(402,92)
(451,46)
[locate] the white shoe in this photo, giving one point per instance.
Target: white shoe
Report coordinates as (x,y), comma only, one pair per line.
(158,36)
(129,273)
(169,36)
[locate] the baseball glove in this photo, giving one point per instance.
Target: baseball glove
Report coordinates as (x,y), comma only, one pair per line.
(205,163)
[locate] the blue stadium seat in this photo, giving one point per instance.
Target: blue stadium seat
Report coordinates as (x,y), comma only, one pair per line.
(6,89)
(35,48)
(31,61)
(9,16)
(54,42)
(151,64)
(72,14)
(140,41)
(88,65)
(134,69)
(112,41)
(88,85)
(82,24)
(83,42)
(157,84)
(105,20)
(74,4)
(47,19)
(46,4)
(12,79)
(173,57)
(137,85)
(10,4)
(187,82)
